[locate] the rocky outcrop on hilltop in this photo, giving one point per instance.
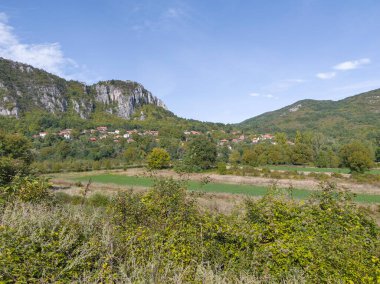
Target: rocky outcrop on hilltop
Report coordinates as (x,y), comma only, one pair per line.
(113,95)
(24,88)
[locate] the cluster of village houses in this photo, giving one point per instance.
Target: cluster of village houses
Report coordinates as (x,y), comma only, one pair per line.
(102,132)
(242,138)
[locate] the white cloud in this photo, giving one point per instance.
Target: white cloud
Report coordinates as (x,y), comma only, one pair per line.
(353,64)
(47,56)
(268,96)
(326,75)
(254,94)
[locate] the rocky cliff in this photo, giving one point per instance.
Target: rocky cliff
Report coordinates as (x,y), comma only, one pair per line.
(24,88)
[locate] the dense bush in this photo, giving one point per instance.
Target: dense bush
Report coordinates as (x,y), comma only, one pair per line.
(25,189)
(161,236)
(357,157)
(15,157)
(158,159)
(9,168)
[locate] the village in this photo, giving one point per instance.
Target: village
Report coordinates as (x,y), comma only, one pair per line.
(103,132)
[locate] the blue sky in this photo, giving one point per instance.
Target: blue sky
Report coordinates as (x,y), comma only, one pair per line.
(215,60)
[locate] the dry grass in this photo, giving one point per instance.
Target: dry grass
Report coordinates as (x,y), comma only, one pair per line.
(308,183)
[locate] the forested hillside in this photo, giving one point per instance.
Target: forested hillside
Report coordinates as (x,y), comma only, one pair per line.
(357,116)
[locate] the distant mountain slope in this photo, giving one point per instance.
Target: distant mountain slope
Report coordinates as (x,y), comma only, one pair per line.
(351,117)
(24,88)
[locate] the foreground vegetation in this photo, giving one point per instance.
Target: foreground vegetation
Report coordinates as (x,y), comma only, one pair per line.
(163,236)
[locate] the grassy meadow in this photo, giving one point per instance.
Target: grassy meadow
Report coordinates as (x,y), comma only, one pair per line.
(212,187)
(318,170)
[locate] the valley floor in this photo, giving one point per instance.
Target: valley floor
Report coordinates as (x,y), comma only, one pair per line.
(307,183)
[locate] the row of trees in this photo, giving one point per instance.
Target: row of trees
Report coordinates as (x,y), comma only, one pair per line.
(356,156)
(201,153)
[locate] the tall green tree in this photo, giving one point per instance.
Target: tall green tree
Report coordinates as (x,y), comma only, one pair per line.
(302,154)
(357,157)
(15,157)
(200,153)
(16,146)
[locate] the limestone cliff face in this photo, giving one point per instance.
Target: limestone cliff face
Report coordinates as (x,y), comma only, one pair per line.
(24,88)
(122,98)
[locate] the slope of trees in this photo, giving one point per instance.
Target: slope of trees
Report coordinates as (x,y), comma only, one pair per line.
(353,117)
(54,153)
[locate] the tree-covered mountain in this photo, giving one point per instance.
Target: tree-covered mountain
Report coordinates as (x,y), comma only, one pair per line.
(24,88)
(356,116)
(43,100)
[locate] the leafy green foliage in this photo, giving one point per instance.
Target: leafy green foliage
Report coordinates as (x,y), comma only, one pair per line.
(16,147)
(357,157)
(15,157)
(222,168)
(158,159)
(10,168)
(26,189)
(200,154)
(314,238)
(162,236)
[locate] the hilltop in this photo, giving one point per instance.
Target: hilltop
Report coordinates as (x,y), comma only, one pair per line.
(24,88)
(357,116)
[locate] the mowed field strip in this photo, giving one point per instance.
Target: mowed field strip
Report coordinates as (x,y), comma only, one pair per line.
(211,187)
(317,170)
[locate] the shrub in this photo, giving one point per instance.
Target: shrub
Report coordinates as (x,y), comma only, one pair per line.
(357,157)
(9,168)
(26,189)
(98,200)
(222,168)
(158,159)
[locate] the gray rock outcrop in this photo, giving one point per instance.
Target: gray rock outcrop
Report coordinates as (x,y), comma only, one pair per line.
(24,88)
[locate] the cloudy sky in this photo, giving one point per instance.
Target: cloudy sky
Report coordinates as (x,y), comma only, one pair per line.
(215,60)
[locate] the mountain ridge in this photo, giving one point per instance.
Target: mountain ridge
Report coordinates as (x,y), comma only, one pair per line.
(360,113)
(24,88)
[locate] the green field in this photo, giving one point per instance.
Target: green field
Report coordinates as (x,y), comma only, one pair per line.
(131,181)
(317,170)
